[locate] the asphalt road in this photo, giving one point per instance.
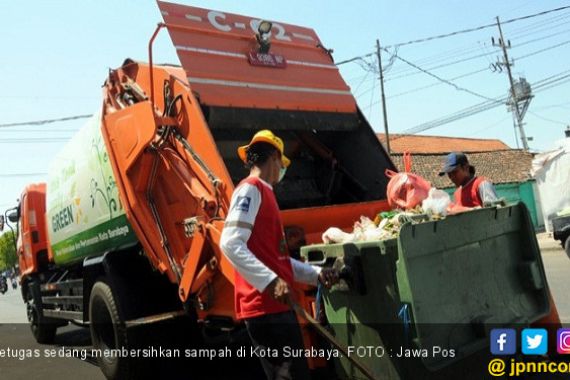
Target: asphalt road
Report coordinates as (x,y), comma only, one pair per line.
(17,344)
(16,341)
(70,357)
(557,266)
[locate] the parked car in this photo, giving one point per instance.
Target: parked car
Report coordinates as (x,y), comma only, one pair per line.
(561,231)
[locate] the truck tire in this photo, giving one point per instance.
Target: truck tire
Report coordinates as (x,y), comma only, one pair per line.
(43,331)
(108,332)
(567,246)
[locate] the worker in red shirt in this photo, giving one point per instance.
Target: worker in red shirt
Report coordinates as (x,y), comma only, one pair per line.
(254,242)
(472,191)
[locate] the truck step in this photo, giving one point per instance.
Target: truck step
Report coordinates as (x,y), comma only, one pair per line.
(63,300)
(76,315)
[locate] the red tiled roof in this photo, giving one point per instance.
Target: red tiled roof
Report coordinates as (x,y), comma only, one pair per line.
(439,144)
(503,166)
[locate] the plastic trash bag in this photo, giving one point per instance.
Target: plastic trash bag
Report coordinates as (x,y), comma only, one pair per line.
(335,235)
(406,190)
(366,230)
(436,203)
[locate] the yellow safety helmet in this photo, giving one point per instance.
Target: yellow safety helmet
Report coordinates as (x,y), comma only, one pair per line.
(268,137)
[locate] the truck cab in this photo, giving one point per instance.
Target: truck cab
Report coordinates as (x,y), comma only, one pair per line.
(32,246)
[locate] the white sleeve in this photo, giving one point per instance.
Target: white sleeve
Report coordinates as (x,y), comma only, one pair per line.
(487,192)
(305,273)
(244,207)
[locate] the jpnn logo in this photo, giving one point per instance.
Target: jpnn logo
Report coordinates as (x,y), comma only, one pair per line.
(504,341)
(534,341)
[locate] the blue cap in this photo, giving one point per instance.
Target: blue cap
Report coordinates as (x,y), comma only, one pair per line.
(452,161)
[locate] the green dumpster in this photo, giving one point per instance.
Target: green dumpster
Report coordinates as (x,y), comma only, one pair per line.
(422,305)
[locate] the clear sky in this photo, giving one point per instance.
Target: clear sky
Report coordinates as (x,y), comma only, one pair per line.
(56,54)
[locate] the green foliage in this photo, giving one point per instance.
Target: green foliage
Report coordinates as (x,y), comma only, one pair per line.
(8,257)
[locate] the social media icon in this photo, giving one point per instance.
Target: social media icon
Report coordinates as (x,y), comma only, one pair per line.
(534,341)
(563,341)
(504,341)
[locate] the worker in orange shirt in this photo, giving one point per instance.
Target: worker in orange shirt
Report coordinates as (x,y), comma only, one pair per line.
(254,242)
(472,191)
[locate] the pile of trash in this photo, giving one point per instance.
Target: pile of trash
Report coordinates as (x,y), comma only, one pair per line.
(412,199)
(387,224)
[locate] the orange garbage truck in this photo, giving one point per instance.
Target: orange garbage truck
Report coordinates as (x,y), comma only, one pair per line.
(126,231)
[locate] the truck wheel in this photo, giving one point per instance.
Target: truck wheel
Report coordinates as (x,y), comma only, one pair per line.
(43,332)
(567,246)
(108,332)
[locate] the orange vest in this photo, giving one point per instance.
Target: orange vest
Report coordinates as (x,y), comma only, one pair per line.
(267,242)
(468,195)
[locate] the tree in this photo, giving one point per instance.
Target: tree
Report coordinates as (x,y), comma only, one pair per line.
(8,257)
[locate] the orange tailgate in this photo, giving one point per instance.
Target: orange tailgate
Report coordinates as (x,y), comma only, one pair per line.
(221,57)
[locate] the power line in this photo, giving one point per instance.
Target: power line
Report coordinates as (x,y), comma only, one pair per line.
(32,140)
(489,126)
(12,175)
(455,33)
(354,59)
(478,56)
(547,119)
(540,38)
(443,65)
(458,52)
(550,23)
(476,28)
(442,79)
(362,81)
(543,50)
(542,85)
(402,73)
(437,83)
(484,69)
(46,121)
(27,130)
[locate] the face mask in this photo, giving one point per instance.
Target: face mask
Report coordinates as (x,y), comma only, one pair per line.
(282,172)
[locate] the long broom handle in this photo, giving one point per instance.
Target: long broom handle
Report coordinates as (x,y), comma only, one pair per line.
(321,330)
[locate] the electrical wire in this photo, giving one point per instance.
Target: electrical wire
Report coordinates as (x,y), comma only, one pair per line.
(478,56)
(439,66)
(362,81)
(539,86)
(550,26)
(32,140)
(473,72)
(469,30)
(542,50)
(540,39)
(46,121)
(547,119)
(371,99)
(538,26)
(489,126)
(459,88)
(27,130)
(416,89)
(14,175)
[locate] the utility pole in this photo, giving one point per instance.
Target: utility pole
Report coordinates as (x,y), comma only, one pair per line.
(383,97)
(506,63)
